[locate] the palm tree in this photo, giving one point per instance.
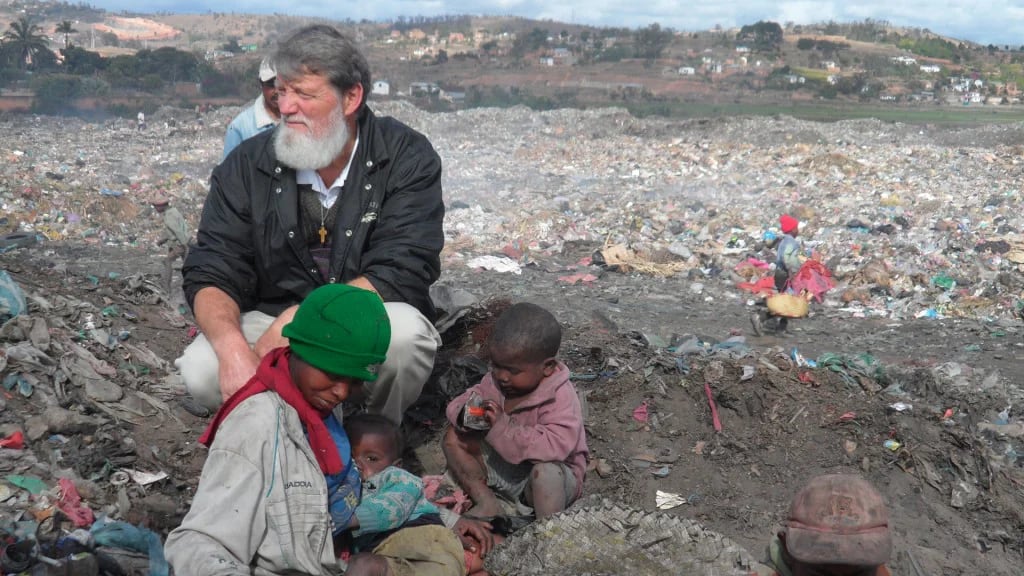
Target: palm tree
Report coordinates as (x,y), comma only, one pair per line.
(23,42)
(66,28)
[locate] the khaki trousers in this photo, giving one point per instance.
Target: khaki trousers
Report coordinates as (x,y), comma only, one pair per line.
(410,359)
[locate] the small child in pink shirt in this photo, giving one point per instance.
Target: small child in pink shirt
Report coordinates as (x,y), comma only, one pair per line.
(534,450)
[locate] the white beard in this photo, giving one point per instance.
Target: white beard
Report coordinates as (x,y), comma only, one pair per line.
(314,149)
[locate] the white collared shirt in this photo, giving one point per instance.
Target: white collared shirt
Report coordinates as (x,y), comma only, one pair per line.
(328,195)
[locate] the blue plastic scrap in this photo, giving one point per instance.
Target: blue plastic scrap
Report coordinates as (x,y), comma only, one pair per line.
(12,299)
(117,534)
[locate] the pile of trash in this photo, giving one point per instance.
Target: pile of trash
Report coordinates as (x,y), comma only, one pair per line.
(73,469)
(915,222)
(911,223)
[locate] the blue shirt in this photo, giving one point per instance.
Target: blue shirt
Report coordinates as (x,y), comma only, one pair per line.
(250,122)
(788,257)
(343,489)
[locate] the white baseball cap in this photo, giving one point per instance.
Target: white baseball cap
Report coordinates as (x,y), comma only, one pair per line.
(267,72)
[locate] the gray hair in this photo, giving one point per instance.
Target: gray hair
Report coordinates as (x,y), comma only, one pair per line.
(325,51)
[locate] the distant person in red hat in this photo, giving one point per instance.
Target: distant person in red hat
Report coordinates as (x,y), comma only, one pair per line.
(788,259)
(837,525)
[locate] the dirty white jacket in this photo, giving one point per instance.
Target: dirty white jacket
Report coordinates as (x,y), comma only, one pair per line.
(261,505)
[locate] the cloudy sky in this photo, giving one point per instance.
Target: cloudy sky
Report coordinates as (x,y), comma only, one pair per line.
(995,21)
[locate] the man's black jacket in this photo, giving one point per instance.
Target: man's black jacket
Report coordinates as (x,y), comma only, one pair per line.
(389,226)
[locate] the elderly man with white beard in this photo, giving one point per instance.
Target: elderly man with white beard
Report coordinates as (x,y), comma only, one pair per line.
(333,194)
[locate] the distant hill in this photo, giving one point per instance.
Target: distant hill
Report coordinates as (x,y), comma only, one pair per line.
(490,60)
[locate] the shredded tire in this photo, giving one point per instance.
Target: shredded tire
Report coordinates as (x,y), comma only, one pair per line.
(599,538)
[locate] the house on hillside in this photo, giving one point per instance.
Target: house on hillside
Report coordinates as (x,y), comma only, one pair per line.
(830,65)
(214,55)
(381,88)
(687,70)
(454,97)
(416,34)
(417,89)
(905,60)
(931,68)
(562,57)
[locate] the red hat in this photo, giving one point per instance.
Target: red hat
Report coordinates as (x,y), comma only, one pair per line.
(788,223)
(839,519)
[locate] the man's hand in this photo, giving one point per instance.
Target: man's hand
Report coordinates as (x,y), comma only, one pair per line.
(475,535)
(235,372)
(272,338)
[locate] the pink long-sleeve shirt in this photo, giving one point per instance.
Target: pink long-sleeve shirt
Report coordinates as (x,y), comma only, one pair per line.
(547,426)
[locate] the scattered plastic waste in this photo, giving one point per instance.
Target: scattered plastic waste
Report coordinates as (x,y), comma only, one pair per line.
(662,472)
(495,264)
(799,360)
(943,281)
(14,441)
(1004,416)
(12,299)
(475,416)
(668,500)
(123,535)
(892,445)
(33,484)
(640,413)
(900,407)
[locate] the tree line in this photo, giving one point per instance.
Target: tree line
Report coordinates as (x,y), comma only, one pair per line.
(27,60)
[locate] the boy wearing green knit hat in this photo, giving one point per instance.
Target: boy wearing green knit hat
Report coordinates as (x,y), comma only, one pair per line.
(279,486)
(279,479)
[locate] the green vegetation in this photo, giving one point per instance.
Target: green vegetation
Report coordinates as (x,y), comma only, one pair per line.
(651,41)
(66,29)
(931,48)
(24,46)
(26,61)
(812,74)
(826,112)
(765,37)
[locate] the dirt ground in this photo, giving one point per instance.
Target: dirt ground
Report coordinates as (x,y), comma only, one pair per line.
(780,427)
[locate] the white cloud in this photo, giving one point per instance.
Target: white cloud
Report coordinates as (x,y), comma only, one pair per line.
(998,21)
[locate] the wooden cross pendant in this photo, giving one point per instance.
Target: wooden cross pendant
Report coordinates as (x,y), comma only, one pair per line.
(323,235)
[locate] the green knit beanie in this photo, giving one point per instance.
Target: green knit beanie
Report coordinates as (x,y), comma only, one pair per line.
(341,330)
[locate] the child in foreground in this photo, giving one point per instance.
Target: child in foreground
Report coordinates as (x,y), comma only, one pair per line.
(535,450)
(280,486)
(279,480)
(394,520)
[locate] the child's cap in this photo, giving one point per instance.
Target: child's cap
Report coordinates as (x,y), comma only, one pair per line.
(788,223)
(839,519)
(342,330)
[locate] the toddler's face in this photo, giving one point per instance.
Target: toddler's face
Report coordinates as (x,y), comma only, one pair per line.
(372,454)
(516,375)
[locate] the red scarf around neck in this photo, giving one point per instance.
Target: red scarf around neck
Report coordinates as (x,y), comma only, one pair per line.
(273,375)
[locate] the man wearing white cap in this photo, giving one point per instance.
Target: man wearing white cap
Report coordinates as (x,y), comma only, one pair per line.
(262,115)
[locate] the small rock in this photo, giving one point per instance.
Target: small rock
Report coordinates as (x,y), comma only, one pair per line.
(103,391)
(57,420)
